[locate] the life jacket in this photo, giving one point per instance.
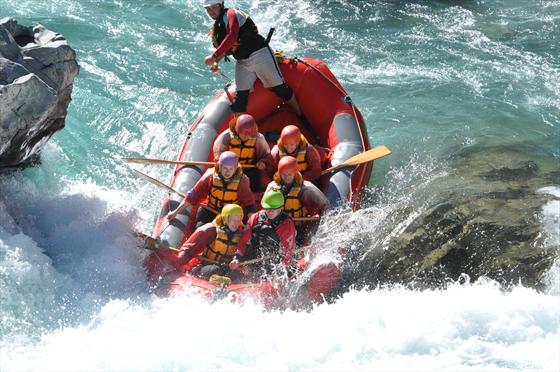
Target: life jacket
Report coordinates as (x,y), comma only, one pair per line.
(224,192)
(292,205)
(245,151)
(264,239)
(248,40)
(225,244)
(299,153)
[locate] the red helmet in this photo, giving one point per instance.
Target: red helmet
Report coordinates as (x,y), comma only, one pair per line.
(290,135)
(246,125)
(288,164)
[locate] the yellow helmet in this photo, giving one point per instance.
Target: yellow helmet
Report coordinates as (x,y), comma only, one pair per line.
(231,210)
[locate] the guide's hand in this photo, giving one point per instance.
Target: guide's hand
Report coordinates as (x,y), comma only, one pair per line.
(210,60)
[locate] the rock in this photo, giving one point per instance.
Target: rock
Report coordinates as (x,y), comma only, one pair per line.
(37,70)
(461,239)
(485,221)
(526,169)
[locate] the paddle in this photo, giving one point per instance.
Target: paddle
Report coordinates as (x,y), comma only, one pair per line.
(153,244)
(364,157)
(264,258)
(306,219)
(179,162)
(158,183)
(171,189)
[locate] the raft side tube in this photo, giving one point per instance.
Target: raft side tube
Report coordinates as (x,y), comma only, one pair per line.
(346,131)
(198,148)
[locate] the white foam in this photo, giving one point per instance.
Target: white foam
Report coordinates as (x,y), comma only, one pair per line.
(63,255)
(470,327)
(550,220)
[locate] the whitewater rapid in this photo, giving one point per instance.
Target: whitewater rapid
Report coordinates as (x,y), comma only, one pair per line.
(74,297)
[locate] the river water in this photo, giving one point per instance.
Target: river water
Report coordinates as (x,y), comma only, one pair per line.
(453,88)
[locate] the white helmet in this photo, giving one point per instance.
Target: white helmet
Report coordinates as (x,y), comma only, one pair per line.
(207,3)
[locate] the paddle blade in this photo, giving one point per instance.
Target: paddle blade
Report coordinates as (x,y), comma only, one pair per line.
(153,244)
(364,157)
(369,155)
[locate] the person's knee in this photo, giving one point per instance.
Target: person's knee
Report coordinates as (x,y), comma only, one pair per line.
(239,103)
(203,216)
(208,270)
(283,91)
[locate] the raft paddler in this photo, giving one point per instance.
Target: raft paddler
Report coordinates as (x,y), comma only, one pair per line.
(301,197)
(234,33)
(269,232)
(251,147)
(224,184)
(293,143)
(211,247)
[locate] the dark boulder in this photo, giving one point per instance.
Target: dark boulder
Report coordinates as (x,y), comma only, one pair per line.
(37,70)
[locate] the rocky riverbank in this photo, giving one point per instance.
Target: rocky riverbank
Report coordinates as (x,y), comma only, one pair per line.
(485,218)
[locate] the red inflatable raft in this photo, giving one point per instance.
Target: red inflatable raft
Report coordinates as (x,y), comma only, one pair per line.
(338,130)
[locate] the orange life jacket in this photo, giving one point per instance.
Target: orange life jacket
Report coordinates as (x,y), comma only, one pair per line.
(224,246)
(292,204)
(224,192)
(245,150)
(300,153)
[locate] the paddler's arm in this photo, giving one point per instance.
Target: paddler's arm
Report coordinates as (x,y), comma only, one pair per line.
(197,242)
(313,164)
(182,206)
(221,144)
(287,234)
(199,191)
(313,199)
(275,155)
(245,196)
(262,153)
(228,42)
(243,241)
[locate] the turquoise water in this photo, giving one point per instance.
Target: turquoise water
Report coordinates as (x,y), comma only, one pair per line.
(453,88)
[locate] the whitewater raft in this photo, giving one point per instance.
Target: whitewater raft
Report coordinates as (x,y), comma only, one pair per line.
(337,130)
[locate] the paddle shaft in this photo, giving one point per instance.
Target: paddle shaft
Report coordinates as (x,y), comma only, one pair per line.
(265,258)
(171,189)
(153,244)
(215,68)
(178,162)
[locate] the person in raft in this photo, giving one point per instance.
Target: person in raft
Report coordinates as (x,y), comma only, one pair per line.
(215,241)
(251,147)
(301,197)
(269,232)
(234,33)
(293,143)
(225,184)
